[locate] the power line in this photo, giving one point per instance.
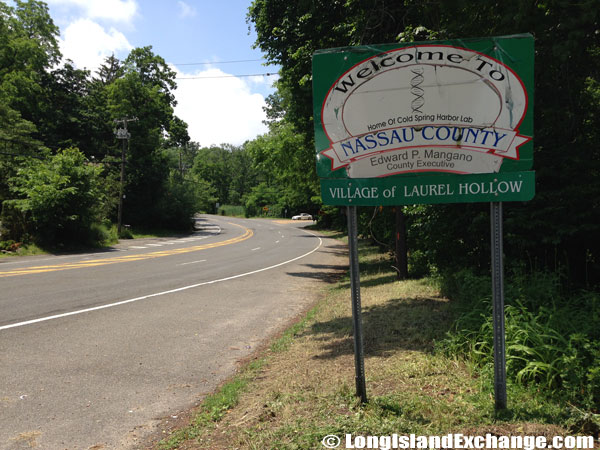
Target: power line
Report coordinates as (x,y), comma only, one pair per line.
(228,76)
(218,62)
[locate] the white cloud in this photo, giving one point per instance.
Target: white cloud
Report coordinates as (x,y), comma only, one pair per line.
(185,10)
(87,44)
(264,81)
(114,10)
(219,110)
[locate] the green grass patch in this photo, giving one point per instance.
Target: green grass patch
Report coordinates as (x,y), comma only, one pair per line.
(11,249)
(140,233)
(552,338)
(303,388)
(232,211)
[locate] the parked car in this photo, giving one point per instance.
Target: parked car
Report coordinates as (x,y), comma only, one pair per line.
(302,216)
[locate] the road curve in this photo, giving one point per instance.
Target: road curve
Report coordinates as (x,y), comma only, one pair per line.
(95,348)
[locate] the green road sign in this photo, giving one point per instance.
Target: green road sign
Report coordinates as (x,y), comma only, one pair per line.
(428,189)
(437,113)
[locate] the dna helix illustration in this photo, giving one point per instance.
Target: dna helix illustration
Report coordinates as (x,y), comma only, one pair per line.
(417,90)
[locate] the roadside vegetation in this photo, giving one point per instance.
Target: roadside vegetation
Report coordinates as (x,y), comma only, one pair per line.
(12,248)
(552,336)
(60,158)
(428,336)
(302,388)
(58,144)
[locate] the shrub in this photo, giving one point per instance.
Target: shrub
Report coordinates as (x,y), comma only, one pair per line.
(59,197)
(552,339)
(231,210)
(10,245)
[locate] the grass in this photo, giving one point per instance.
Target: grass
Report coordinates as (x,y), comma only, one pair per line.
(106,235)
(232,210)
(552,336)
(302,388)
(25,250)
(141,233)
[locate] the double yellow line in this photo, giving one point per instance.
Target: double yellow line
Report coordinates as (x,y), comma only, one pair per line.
(127,258)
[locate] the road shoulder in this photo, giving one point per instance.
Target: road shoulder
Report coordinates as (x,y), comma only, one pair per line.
(300,389)
(306,284)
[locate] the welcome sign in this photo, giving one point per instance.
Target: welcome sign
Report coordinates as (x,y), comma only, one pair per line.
(413,123)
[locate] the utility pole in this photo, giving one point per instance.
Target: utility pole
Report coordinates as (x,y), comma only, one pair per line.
(124,136)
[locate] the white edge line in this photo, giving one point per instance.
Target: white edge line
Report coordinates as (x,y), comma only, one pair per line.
(172,291)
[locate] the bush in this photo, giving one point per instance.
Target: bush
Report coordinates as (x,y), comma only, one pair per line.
(9,246)
(231,210)
(59,198)
(552,339)
(105,233)
(125,233)
(181,200)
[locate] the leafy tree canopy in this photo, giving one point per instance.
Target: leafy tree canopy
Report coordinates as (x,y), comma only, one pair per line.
(566,159)
(60,197)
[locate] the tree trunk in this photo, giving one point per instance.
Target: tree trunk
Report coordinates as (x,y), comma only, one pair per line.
(401,247)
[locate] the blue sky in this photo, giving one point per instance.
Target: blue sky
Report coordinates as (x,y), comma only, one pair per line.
(219,109)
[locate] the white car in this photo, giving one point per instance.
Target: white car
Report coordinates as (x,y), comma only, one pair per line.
(302,216)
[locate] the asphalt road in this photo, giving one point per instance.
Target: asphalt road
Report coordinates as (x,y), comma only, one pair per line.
(96,349)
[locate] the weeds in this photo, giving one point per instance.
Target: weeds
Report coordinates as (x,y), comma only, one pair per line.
(551,339)
(12,248)
(232,211)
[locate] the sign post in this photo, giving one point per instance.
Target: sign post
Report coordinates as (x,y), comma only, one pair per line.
(498,306)
(359,359)
(427,123)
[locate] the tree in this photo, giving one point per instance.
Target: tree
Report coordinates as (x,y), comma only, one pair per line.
(44,104)
(144,91)
(111,70)
(243,175)
(16,142)
(28,48)
(59,197)
(260,196)
(282,160)
(63,108)
(213,164)
(566,160)
(183,198)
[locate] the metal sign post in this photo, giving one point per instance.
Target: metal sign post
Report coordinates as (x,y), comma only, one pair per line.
(498,306)
(359,358)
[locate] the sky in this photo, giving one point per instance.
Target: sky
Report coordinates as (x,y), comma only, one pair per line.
(204,41)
